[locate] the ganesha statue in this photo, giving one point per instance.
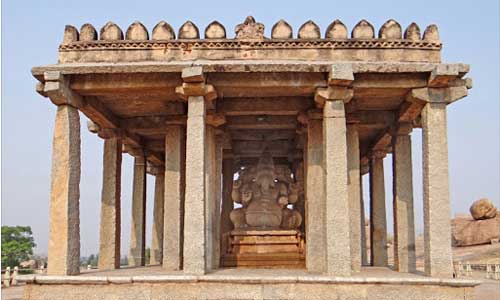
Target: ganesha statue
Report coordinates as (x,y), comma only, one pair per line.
(266,194)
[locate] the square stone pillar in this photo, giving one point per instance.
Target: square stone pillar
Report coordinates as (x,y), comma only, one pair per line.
(110,226)
(64,242)
(138,222)
(404,220)
(378,228)
(195,227)
(315,199)
(210,196)
(364,256)
(437,227)
(353,189)
(338,251)
(216,234)
(156,253)
(227,201)
(173,224)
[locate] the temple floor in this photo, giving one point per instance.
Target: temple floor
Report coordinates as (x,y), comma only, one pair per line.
(157,270)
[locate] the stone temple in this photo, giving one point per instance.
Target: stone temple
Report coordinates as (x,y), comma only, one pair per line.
(258,145)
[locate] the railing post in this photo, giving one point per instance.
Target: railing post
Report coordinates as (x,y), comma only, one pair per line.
(14,276)
(6,280)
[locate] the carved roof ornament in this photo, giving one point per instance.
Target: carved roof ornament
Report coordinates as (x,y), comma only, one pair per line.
(250,30)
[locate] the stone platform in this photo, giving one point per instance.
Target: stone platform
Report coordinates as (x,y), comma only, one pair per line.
(264,249)
(245,284)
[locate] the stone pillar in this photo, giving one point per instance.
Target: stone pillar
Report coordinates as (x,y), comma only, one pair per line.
(378,228)
(210,195)
(227,201)
(173,224)
(404,226)
(335,163)
(364,256)
(353,189)
(110,227)
(216,234)
(437,228)
(156,253)
(315,199)
(138,222)
(195,260)
(64,242)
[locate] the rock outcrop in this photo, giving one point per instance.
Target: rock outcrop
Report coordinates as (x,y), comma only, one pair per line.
(468,232)
(483,209)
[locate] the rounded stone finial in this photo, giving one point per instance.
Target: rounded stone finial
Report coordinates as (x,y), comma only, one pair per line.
(282,30)
(163,31)
(412,32)
(215,30)
(111,32)
(336,30)
(70,34)
(483,209)
(137,31)
(431,33)
(390,30)
(189,31)
(88,32)
(309,30)
(363,30)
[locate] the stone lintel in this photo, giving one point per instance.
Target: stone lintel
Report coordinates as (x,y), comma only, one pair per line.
(402,128)
(341,74)
(134,151)
(442,74)
(378,153)
(56,87)
(333,93)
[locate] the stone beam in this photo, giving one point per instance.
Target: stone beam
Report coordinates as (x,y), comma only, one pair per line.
(262,122)
(152,125)
(263,135)
(264,106)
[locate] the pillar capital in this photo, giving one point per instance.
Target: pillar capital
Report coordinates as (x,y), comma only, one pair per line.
(56,87)
(446,95)
(154,169)
(378,154)
(104,133)
(215,119)
(333,93)
(402,128)
(194,85)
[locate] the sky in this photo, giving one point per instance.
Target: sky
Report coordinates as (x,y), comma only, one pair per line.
(32,31)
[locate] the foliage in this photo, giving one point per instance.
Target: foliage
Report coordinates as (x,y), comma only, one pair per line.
(17,245)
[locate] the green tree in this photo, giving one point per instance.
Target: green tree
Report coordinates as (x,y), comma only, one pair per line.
(17,245)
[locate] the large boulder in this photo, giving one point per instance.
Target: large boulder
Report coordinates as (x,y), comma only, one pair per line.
(483,209)
(467,232)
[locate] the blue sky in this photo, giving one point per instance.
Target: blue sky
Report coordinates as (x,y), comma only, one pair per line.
(32,31)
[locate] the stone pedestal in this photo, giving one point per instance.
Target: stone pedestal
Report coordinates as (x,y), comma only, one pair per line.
(265,249)
(110,226)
